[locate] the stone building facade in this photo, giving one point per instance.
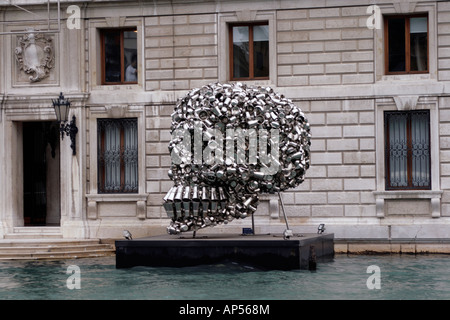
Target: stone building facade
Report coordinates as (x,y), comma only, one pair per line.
(334,59)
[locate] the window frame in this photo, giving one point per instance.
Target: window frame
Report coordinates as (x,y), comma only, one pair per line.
(101,175)
(407,18)
(122,55)
(409,156)
(251,56)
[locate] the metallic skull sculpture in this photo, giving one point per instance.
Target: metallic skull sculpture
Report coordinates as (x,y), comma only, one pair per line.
(231,142)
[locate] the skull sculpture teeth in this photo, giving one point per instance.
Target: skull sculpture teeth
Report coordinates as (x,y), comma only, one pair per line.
(231,142)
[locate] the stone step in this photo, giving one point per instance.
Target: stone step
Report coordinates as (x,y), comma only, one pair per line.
(56,249)
(42,229)
(33,236)
(46,242)
(34,249)
(35,233)
(55,255)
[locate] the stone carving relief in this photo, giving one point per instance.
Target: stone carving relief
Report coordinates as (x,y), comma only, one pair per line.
(35,55)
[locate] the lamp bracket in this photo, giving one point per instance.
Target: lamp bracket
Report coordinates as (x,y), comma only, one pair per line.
(71,130)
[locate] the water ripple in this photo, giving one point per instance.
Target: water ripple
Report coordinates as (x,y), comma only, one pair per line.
(402,277)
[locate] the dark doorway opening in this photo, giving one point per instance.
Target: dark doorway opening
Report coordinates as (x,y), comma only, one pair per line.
(41,173)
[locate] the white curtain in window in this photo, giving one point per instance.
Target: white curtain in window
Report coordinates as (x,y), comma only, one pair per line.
(420,141)
(130,155)
(418,31)
(261,33)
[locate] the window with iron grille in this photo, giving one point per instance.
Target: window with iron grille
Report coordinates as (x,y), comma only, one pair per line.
(407,141)
(117,155)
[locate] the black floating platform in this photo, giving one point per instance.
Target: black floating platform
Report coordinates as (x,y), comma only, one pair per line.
(269,251)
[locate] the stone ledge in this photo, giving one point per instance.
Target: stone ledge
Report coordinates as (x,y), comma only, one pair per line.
(117,197)
(411,194)
(398,246)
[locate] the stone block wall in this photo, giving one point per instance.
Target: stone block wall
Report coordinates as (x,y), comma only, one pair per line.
(341,179)
(180,51)
(157,158)
(444,132)
(330,46)
(315,47)
(443,22)
(325,59)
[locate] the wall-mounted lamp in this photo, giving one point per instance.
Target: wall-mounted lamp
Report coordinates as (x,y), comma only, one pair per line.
(62,107)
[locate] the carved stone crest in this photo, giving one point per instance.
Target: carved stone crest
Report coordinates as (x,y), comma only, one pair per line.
(35,55)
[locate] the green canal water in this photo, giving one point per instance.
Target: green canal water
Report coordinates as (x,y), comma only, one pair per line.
(420,277)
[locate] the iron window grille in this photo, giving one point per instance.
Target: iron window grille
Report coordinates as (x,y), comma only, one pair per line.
(407,154)
(117,155)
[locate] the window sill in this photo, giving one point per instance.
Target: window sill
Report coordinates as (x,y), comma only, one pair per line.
(408,194)
(266,83)
(112,87)
(116,197)
(94,199)
(407,77)
(433,195)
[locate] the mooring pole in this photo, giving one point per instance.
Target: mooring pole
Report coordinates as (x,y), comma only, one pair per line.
(288,232)
(253,223)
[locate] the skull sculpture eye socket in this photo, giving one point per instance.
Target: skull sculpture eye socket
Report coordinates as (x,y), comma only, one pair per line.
(229,143)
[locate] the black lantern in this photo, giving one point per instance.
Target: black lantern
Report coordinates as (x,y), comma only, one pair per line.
(62,107)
